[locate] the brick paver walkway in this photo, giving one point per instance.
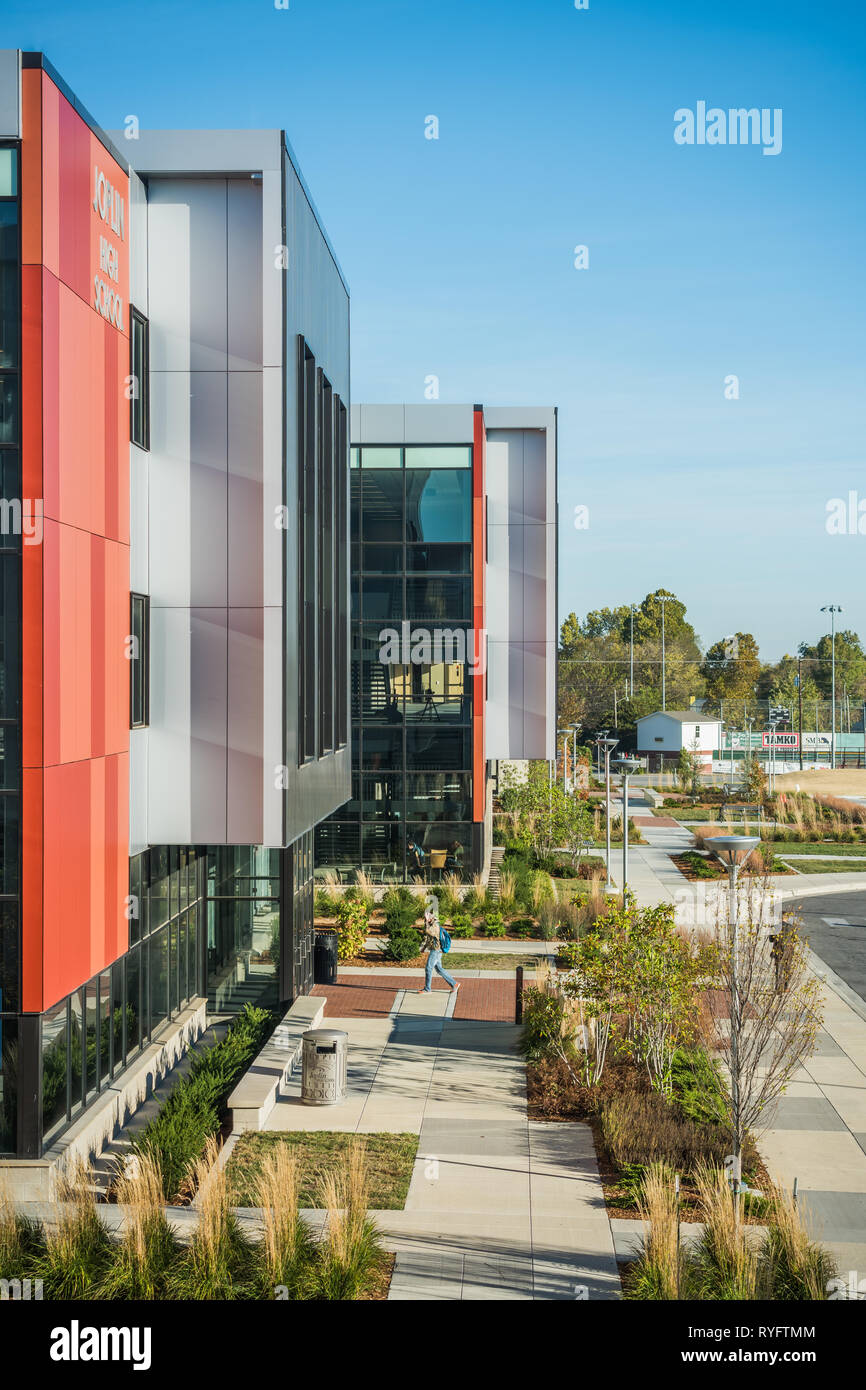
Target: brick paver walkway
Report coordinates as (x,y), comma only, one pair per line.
(359,996)
(491,1001)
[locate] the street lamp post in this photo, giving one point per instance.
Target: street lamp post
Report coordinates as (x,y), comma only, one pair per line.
(832,609)
(607,745)
(733,851)
(626,766)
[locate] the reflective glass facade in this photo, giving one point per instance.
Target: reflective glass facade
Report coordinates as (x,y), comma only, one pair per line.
(412,645)
(88,1038)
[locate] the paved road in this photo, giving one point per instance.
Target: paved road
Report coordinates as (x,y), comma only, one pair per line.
(836,927)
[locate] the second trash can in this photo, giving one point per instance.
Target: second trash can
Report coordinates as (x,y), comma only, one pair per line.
(325,957)
(324,1056)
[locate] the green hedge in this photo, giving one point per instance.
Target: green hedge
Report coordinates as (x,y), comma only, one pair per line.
(177,1135)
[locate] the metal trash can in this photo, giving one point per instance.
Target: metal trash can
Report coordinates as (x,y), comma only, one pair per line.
(324,1056)
(325,956)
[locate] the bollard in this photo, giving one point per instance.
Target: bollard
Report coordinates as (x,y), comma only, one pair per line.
(518,1002)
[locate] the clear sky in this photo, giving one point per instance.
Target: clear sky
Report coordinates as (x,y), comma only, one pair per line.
(556,130)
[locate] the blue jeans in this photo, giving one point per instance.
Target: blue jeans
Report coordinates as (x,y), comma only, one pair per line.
(434,962)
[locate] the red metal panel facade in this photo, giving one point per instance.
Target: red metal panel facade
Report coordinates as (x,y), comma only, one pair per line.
(75,586)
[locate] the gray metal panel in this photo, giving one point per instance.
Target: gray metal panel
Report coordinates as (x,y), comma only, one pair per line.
(438,424)
(137,243)
(521,583)
(244,275)
(208,723)
(10,93)
(207,542)
(245,539)
(169,786)
(245,711)
(201,151)
(381,424)
(169,491)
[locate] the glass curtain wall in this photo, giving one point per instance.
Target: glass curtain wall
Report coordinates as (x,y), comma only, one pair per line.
(410,816)
(243,927)
(99,1029)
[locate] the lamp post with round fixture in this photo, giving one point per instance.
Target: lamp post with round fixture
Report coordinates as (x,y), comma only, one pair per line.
(607,746)
(733,851)
(625,766)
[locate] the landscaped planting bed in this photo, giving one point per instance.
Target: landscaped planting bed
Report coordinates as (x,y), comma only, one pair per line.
(391,1158)
(76,1257)
(636,1039)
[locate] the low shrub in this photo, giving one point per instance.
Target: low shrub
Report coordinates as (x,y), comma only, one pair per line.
(524,928)
(494,923)
(404,943)
(353,921)
(461,925)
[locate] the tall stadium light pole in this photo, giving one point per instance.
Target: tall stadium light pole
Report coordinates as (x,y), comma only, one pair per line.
(607,746)
(663,599)
(626,766)
(733,851)
(832,609)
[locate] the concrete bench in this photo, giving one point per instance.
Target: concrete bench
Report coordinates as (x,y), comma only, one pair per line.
(654,798)
(258,1090)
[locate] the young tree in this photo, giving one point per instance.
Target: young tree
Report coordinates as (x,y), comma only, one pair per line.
(762,1032)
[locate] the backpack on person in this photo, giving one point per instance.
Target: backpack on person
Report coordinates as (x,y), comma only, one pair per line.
(444,941)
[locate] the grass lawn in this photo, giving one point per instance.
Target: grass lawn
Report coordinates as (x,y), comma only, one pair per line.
(508,959)
(390,1158)
(781,848)
(487,960)
(827,866)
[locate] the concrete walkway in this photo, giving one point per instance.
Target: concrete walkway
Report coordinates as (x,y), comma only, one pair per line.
(499,1207)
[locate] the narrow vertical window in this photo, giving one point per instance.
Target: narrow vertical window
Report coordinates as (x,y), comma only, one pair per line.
(139,715)
(326,567)
(341,572)
(308,425)
(139,370)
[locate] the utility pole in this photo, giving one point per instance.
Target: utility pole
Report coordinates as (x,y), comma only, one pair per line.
(631,653)
(800,701)
(832,609)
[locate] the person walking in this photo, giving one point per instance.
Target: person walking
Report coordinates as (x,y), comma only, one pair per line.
(432,944)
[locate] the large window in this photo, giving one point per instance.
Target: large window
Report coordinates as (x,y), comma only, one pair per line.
(322,506)
(413,654)
(139,712)
(139,370)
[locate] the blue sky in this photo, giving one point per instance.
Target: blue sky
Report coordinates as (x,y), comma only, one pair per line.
(556,129)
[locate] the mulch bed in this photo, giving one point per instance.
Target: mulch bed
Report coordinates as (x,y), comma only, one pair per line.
(687,870)
(553,1096)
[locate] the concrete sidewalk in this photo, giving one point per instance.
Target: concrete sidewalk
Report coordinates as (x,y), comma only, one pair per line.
(499,1207)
